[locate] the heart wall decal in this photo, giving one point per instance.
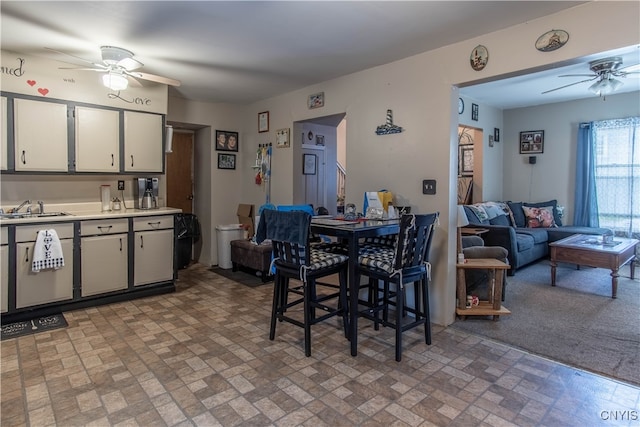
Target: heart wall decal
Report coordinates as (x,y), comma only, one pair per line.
(43,91)
(31,82)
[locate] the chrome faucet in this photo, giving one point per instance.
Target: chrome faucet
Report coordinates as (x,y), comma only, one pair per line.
(41,205)
(26,202)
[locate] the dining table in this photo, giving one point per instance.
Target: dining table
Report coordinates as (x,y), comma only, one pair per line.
(352,232)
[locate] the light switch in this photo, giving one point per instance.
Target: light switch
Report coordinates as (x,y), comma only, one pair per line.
(429,186)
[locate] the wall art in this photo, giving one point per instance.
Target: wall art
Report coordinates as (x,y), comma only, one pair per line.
(316,100)
(226,140)
(263,122)
(309,164)
(552,40)
(388,128)
(282,138)
(226,161)
(479,57)
(532,142)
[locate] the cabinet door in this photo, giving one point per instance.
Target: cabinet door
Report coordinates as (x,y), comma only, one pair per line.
(3,133)
(143,151)
(4,278)
(97,140)
(40,136)
(104,264)
(153,257)
(46,286)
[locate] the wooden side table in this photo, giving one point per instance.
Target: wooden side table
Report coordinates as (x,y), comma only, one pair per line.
(466,231)
(492,306)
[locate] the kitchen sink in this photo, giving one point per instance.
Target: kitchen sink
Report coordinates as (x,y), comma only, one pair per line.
(19,215)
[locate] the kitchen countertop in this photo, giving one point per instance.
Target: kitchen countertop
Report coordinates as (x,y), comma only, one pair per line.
(79,214)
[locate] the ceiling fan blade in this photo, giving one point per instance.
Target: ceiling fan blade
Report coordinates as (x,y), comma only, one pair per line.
(571,84)
(76,57)
(579,75)
(100,70)
(130,64)
(154,78)
(629,69)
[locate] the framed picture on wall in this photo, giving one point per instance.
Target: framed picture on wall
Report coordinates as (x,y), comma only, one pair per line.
(226,140)
(532,142)
(263,122)
(465,160)
(226,161)
(309,164)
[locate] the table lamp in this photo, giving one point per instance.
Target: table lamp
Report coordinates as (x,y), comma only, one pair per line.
(462,221)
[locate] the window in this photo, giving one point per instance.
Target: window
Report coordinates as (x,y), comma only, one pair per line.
(617,174)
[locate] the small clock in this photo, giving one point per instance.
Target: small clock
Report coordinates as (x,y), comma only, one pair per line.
(460,106)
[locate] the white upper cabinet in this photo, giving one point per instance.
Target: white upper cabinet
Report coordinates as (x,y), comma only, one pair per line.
(41,140)
(3,136)
(143,151)
(97,140)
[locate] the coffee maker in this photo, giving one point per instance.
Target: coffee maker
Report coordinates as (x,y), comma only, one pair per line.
(145,193)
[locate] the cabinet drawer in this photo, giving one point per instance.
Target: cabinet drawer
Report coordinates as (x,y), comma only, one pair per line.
(4,236)
(153,223)
(28,233)
(105,226)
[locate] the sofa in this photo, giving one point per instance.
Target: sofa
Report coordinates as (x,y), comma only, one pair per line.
(522,228)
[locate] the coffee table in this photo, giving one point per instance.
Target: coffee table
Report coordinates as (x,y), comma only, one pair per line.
(588,250)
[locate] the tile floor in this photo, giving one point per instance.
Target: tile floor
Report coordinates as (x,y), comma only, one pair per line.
(201,356)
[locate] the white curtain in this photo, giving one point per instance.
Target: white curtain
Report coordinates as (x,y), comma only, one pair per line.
(617,174)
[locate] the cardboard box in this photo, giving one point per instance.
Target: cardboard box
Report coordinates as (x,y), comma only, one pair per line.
(246,214)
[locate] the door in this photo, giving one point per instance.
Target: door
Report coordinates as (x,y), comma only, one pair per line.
(313,175)
(179,169)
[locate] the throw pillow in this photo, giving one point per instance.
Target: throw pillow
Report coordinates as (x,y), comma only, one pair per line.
(499,220)
(553,204)
(518,215)
(480,212)
(539,217)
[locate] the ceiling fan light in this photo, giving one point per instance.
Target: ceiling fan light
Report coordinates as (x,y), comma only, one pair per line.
(605,86)
(115,81)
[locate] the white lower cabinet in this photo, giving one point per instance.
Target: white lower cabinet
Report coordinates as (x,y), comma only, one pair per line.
(153,250)
(4,270)
(104,256)
(47,285)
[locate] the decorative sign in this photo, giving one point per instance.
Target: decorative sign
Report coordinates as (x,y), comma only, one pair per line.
(388,128)
(316,100)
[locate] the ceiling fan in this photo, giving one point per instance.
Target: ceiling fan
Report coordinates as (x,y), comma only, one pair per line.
(118,65)
(604,72)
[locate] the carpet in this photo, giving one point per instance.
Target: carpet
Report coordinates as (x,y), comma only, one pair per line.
(243,276)
(33,326)
(576,322)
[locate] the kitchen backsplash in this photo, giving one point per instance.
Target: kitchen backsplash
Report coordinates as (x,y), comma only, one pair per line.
(65,189)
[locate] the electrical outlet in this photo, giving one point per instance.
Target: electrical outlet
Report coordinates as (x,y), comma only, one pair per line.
(120,185)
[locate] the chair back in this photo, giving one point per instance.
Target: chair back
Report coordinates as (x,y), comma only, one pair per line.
(292,208)
(289,234)
(414,241)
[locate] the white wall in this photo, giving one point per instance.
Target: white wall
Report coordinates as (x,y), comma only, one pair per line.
(420,91)
(217,191)
(553,175)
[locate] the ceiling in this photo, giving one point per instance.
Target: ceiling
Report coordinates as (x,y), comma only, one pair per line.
(243,51)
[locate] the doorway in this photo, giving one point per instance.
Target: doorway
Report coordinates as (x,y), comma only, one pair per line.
(321,141)
(179,172)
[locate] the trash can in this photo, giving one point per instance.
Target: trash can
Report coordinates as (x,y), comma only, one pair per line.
(225,234)
(187,233)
